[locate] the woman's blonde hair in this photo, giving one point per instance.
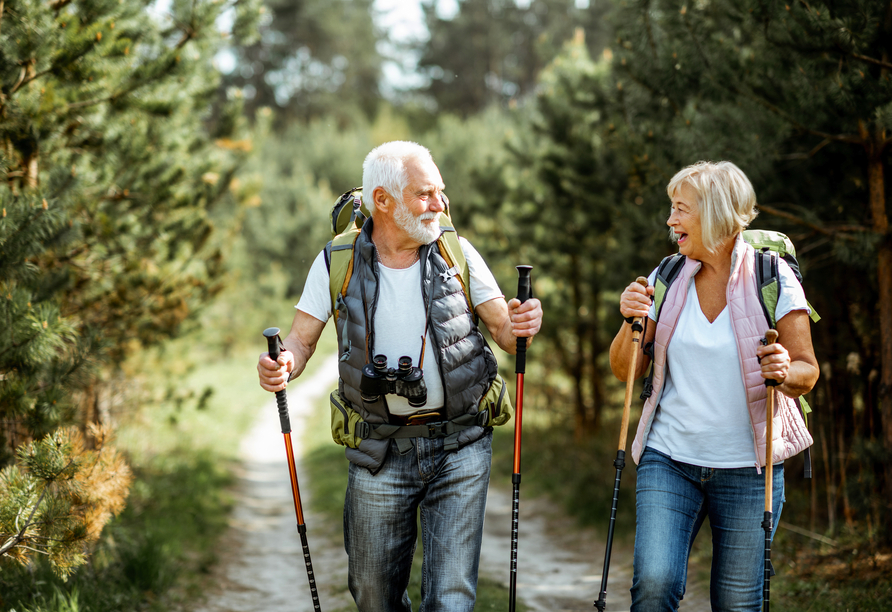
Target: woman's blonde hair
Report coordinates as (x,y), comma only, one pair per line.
(725,197)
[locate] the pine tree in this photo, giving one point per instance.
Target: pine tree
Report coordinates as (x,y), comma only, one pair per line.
(59,497)
(492,51)
(109,183)
(563,210)
(799,95)
(312,58)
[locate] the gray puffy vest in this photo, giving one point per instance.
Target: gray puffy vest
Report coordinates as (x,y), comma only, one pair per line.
(467,365)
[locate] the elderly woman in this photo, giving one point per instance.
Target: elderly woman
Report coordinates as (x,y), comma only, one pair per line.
(700,443)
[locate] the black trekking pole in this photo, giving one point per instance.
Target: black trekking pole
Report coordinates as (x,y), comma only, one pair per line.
(620,462)
(524,292)
(275,348)
(770,338)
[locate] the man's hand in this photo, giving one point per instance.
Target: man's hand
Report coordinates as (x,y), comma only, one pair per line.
(274,374)
(526,317)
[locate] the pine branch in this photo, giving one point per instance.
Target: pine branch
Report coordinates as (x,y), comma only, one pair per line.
(20,536)
(811,153)
(847,138)
(840,231)
(33,77)
(871,60)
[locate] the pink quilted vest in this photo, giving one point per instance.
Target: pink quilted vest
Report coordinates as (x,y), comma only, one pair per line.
(748,321)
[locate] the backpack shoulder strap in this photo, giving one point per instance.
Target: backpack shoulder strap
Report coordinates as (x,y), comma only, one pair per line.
(769,286)
(767,283)
(667,272)
(339,259)
(450,249)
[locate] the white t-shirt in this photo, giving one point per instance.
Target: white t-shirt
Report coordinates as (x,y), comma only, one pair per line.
(703,417)
(399,328)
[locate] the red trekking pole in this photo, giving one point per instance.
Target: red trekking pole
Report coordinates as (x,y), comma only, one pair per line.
(275,348)
(620,461)
(767,521)
(524,292)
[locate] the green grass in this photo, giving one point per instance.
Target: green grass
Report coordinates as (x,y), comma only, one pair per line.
(181,442)
(578,475)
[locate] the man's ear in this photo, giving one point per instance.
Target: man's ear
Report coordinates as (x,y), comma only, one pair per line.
(383,201)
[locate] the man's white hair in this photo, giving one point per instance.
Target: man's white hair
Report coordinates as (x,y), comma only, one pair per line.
(385,167)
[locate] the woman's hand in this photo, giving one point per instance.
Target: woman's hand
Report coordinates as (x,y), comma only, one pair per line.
(635,300)
(775,361)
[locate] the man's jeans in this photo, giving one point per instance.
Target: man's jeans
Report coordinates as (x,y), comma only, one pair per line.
(380,526)
(673,499)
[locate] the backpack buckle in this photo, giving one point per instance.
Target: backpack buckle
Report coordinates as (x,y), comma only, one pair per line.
(648,388)
(437,430)
(445,276)
(482,418)
(362,430)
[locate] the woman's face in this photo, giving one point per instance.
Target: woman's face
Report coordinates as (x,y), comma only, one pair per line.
(684,221)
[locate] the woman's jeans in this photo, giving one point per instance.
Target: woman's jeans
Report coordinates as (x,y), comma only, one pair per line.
(673,499)
(380,526)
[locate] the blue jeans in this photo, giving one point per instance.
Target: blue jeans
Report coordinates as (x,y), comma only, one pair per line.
(673,499)
(380,526)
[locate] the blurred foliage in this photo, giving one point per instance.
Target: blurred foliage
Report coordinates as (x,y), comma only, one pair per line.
(110,183)
(127,203)
(312,58)
(58,498)
(798,95)
(492,51)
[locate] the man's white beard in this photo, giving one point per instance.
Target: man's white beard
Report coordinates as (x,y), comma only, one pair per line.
(419,231)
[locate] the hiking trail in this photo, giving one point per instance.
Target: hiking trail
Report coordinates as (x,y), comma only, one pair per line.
(261,568)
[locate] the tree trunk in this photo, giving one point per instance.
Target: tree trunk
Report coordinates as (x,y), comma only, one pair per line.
(877,186)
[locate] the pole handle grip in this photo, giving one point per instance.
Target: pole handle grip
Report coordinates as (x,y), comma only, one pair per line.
(275,346)
(770,338)
(524,292)
(274,343)
(636,321)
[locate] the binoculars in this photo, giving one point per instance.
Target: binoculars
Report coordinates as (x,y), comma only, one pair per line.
(406,381)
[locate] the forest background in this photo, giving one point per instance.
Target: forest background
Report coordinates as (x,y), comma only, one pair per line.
(167,171)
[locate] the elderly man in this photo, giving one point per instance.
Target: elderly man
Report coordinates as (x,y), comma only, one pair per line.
(433,456)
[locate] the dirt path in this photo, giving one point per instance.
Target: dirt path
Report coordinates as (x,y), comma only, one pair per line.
(261,561)
(559,565)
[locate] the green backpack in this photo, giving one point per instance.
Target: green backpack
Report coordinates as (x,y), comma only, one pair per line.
(769,246)
(348,215)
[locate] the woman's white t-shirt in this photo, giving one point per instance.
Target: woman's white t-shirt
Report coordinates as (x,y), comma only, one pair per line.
(400,325)
(703,417)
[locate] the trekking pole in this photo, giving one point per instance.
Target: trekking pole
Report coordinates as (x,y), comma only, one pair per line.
(770,338)
(524,292)
(620,462)
(275,348)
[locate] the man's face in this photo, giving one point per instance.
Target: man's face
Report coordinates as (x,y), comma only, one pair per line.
(417,213)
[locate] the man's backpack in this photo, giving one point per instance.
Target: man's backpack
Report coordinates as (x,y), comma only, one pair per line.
(348,215)
(769,246)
